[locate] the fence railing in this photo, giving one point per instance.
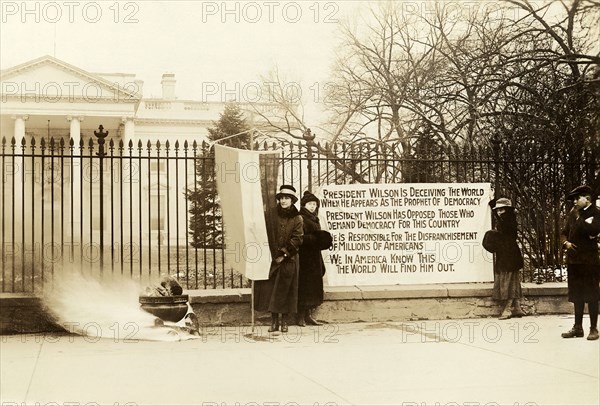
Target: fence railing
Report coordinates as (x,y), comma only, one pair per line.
(102,208)
(106,206)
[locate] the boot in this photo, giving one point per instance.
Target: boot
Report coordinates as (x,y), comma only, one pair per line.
(300,318)
(576,331)
(309,319)
(506,313)
(284,323)
(593,334)
(517,311)
(274,322)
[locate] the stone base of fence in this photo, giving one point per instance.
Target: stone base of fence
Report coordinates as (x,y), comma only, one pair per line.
(21,313)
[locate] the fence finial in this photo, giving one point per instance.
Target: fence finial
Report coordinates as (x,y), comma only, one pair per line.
(101,135)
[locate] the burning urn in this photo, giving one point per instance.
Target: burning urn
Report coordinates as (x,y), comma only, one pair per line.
(165,301)
(167,308)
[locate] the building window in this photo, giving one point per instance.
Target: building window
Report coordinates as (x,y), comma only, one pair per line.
(95,213)
(157,218)
(155,166)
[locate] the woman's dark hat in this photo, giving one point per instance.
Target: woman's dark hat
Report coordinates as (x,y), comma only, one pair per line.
(287,190)
(582,190)
(503,202)
(309,197)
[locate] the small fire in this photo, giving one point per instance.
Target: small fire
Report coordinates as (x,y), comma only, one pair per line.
(105,307)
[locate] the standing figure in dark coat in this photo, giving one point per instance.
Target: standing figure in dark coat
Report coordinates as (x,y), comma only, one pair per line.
(509,260)
(312,268)
(279,294)
(580,241)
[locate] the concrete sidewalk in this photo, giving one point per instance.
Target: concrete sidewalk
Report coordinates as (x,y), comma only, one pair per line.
(452,362)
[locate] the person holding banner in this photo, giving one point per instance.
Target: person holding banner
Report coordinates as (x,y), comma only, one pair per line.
(580,243)
(312,268)
(279,294)
(503,242)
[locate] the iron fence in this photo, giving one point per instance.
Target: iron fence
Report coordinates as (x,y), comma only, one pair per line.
(109,206)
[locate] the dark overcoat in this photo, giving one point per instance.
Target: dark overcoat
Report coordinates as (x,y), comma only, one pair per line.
(503,243)
(583,234)
(583,262)
(312,268)
(279,294)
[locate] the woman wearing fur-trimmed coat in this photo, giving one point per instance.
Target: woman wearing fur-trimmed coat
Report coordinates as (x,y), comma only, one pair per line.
(279,294)
(312,268)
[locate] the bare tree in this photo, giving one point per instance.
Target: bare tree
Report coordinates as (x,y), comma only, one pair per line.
(521,81)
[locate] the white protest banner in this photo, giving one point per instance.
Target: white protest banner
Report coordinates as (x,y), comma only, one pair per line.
(388,234)
(245,181)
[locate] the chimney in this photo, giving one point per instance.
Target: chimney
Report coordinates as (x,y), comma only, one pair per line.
(168,86)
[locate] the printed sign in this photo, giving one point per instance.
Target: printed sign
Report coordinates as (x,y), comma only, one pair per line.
(388,234)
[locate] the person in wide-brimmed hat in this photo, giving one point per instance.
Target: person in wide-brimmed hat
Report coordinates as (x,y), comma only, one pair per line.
(582,190)
(503,242)
(289,191)
(503,202)
(312,268)
(580,242)
(279,294)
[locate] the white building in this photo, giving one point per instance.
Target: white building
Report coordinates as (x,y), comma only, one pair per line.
(50,93)
(47,98)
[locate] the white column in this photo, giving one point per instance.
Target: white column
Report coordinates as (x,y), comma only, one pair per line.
(20,172)
(128,130)
(20,127)
(74,223)
(131,181)
(75,129)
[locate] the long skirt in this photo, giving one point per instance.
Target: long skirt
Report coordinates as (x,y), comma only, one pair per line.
(507,285)
(310,288)
(583,281)
(279,294)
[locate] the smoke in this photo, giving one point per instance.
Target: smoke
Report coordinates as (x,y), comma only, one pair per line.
(104,307)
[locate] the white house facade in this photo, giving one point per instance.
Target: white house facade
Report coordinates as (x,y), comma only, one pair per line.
(50,192)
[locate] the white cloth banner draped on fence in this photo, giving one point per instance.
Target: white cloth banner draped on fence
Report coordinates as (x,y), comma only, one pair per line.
(388,234)
(246,184)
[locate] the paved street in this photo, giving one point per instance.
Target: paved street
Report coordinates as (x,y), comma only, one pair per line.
(452,362)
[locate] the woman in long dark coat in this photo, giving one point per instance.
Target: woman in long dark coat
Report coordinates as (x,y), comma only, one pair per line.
(580,242)
(279,294)
(509,260)
(312,268)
